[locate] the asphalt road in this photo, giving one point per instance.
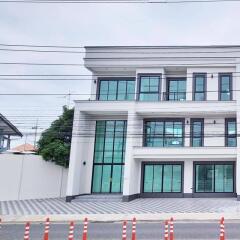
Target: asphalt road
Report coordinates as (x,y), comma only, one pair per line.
(105,231)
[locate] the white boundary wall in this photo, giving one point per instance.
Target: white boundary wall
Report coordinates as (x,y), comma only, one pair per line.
(30,177)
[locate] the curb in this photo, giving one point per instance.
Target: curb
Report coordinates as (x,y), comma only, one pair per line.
(120,217)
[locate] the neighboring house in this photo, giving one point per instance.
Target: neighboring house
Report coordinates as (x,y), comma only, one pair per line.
(7,129)
(161,122)
(24,148)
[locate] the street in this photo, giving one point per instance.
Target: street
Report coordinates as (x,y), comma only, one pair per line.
(145,230)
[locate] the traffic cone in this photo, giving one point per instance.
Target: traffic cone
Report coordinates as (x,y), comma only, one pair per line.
(85,228)
(46,230)
(134,228)
(171,229)
(166,231)
(124,231)
(71,231)
(222,229)
(27,231)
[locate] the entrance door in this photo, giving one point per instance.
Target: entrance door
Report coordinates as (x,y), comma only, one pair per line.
(109,154)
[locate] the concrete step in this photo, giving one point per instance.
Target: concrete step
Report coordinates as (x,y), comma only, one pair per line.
(99,198)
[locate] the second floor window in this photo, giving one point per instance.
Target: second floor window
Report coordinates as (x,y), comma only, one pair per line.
(231,132)
(225,86)
(122,89)
(149,88)
(164,133)
(197,128)
(176,89)
(199,86)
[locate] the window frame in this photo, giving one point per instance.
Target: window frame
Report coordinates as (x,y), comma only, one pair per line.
(195,75)
(220,75)
(117,79)
(227,120)
(112,163)
(139,76)
(168,79)
(214,163)
(163,120)
(161,194)
(192,120)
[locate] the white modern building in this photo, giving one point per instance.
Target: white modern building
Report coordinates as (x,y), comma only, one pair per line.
(161,122)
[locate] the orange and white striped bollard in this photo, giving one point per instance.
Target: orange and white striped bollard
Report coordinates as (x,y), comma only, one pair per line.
(134,222)
(166,230)
(171,235)
(46,229)
(71,231)
(85,228)
(222,229)
(27,231)
(124,231)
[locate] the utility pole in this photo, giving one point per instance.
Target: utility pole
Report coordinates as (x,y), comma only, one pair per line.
(35,135)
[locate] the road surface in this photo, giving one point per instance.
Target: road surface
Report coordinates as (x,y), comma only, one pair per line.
(107,231)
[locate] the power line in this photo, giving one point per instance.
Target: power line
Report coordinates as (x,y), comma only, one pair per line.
(117,1)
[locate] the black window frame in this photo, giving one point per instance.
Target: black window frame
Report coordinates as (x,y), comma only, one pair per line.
(117,79)
(220,75)
(195,75)
(112,163)
(192,120)
(139,76)
(168,79)
(161,194)
(227,136)
(163,120)
(214,193)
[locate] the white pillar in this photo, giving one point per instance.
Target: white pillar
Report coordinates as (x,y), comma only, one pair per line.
(132,168)
(81,156)
(237,77)
(188,178)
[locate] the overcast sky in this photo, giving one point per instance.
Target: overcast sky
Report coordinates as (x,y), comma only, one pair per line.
(95,24)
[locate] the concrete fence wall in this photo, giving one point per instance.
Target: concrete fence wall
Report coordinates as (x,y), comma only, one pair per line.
(30,177)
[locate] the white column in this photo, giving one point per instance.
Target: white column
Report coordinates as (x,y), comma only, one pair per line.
(188,178)
(238,129)
(81,156)
(132,168)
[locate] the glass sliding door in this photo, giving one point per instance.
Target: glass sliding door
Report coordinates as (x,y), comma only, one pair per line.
(162,178)
(214,178)
(108,164)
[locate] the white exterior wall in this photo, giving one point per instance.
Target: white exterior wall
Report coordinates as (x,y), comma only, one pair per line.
(30,177)
(104,63)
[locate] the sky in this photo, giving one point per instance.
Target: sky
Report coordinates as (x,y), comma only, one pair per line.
(93,24)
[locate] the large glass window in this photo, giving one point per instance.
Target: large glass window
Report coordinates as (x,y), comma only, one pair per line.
(149,88)
(214,178)
(225,87)
(231,132)
(197,132)
(164,133)
(122,89)
(109,155)
(176,89)
(199,86)
(162,178)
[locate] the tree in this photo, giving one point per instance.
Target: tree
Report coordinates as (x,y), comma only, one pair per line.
(55,142)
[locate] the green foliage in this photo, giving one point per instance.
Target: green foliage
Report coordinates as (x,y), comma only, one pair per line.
(55,142)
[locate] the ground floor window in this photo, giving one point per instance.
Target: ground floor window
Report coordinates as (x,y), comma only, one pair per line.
(162,178)
(216,178)
(109,152)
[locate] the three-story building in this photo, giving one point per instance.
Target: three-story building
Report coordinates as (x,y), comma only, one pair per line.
(161,122)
